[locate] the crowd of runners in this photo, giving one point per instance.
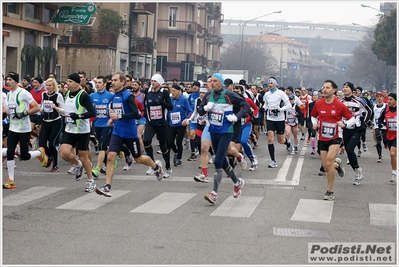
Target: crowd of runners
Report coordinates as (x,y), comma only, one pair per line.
(219,121)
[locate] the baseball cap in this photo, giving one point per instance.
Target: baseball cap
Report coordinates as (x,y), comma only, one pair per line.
(228,81)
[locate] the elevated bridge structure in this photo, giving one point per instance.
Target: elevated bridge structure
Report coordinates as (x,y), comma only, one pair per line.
(334,37)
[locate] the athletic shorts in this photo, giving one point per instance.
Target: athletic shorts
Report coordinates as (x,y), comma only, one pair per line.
(324,145)
(278,126)
(206,135)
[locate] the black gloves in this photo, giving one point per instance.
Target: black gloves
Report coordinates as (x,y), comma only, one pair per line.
(20,115)
(75,116)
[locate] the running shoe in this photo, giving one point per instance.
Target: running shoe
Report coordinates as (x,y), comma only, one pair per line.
(79,172)
(72,170)
(90,186)
(255,160)
(105,191)
(393,178)
(10,184)
(193,157)
(96,172)
(55,169)
(210,161)
(329,195)
(150,171)
(237,188)
(303,137)
(159,152)
(356,182)
(126,167)
(159,171)
(273,164)
(243,162)
(340,169)
(130,160)
(17,152)
(201,178)
(43,157)
(365,147)
(175,159)
(211,197)
(252,168)
(296,150)
(313,151)
(115,163)
(359,153)
(167,173)
(289,147)
(359,174)
(121,155)
(322,173)
(379,159)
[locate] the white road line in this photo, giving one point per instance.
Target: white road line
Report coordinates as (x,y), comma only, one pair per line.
(313,210)
(164,203)
(298,168)
(282,173)
(29,195)
(91,201)
(382,214)
(237,207)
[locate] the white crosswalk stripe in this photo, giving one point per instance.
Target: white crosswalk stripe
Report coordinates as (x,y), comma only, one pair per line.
(308,210)
(92,201)
(243,206)
(164,203)
(29,195)
(313,210)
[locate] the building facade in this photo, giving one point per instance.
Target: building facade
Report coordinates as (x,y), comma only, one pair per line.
(178,40)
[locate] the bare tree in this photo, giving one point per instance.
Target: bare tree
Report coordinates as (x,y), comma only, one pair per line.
(365,66)
(256,58)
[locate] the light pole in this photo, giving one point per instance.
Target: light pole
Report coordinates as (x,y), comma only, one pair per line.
(380,15)
(257,44)
(242,31)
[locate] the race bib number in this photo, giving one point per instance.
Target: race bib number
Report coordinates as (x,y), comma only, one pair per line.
(328,130)
(217,117)
(175,117)
(101,111)
(273,113)
(69,120)
(291,121)
(155,112)
(391,124)
(12,109)
(118,108)
(47,106)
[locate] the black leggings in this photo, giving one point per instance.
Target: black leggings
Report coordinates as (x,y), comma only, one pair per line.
(49,133)
(162,136)
(12,141)
(351,139)
(178,134)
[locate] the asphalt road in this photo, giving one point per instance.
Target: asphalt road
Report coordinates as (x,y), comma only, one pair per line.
(49,219)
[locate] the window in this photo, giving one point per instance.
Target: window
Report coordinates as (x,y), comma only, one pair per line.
(32,11)
(12,8)
(172,49)
(48,14)
(173,17)
(142,28)
(46,41)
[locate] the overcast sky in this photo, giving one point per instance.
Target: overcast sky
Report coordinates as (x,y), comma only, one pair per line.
(340,12)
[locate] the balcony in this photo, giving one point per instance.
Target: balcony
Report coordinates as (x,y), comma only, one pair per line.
(188,27)
(143,45)
(89,38)
(178,57)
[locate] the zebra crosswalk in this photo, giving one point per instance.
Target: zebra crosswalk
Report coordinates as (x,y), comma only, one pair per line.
(307,210)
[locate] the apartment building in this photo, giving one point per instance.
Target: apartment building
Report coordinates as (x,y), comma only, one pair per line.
(29,40)
(178,40)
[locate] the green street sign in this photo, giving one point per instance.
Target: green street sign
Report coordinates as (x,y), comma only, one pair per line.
(75,14)
(258,78)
